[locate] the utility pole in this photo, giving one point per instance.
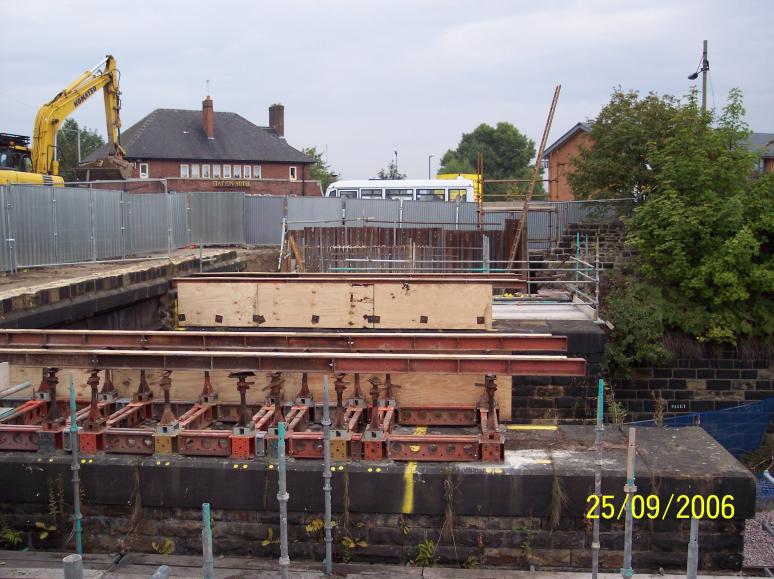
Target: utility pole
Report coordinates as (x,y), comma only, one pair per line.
(704,70)
(396,164)
(429,172)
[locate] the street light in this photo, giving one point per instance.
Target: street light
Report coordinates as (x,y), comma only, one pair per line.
(429,173)
(396,163)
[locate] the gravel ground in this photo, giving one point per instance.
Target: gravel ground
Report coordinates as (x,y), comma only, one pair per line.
(758,543)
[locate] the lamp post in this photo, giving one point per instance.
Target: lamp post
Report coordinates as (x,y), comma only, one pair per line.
(429,172)
(704,69)
(396,164)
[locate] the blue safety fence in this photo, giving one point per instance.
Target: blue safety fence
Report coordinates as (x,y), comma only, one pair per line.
(765,490)
(739,429)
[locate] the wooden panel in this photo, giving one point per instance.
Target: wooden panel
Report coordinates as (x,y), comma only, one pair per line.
(219,305)
(416,389)
(315,305)
(320,304)
(433,306)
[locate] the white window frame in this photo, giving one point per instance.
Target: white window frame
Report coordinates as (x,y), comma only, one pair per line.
(144,170)
(236,171)
(195,171)
(216,171)
(205,171)
(293,173)
(246,171)
(184,171)
(227,171)
(256,171)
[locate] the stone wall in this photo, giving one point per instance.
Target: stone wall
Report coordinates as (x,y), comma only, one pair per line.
(390,538)
(708,380)
(609,234)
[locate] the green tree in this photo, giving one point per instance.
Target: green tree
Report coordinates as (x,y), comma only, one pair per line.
(391,172)
(704,233)
(617,164)
(320,170)
(66,141)
(507,155)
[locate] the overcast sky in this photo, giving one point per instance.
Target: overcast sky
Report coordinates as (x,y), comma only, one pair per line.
(362,78)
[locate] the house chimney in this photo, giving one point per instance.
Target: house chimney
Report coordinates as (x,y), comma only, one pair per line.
(208,118)
(277,119)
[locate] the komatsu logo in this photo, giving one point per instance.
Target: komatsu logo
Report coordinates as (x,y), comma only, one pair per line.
(84,96)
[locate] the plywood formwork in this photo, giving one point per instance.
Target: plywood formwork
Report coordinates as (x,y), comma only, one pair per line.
(415,389)
(296,303)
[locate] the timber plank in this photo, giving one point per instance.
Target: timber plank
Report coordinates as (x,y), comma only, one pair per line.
(221,305)
(315,305)
(433,306)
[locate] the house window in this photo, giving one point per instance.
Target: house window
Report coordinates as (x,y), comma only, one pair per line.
(246,171)
(293,174)
(256,171)
(227,171)
(205,171)
(143,170)
(216,171)
(194,171)
(184,170)
(237,172)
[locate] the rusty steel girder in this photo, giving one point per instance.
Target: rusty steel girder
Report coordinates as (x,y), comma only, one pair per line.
(288,341)
(128,441)
(433,447)
(19,437)
(204,443)
(319,362)
(441,415)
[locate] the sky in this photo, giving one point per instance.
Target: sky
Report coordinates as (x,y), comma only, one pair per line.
(361,79)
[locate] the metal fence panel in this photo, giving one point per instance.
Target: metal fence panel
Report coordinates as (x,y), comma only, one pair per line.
(5,262)
(313,212)
(263,219)
(217,218)
(181,225)
(146,219)
(376,212)
(107,224)
(429,214)
(75,220)
(31,225)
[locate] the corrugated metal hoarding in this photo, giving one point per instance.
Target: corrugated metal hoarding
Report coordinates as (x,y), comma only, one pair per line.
(263,219)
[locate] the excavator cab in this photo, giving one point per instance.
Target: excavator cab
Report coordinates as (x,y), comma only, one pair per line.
(15,154)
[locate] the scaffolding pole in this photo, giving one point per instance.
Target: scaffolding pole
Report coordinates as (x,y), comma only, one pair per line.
(326,422)
(600,428)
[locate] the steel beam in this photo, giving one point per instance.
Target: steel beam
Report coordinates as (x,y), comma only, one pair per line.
(504,282)
(256,341)
(319,362)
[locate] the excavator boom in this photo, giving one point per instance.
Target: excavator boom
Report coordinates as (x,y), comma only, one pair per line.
(104,76)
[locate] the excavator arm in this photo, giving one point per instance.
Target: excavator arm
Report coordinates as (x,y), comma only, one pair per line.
(104,76)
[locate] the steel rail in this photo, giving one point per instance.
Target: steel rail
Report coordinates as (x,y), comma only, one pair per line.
(316,362)
(254,341)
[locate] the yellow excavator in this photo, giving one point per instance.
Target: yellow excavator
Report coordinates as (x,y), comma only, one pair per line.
(37,164)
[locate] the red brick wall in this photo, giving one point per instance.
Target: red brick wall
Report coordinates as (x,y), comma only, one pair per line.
(275,179)
(559,166)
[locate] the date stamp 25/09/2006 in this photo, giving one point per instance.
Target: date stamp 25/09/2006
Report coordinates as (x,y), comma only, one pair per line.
(654,507)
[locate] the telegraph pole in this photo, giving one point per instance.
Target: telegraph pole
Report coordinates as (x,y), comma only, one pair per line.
(704,71)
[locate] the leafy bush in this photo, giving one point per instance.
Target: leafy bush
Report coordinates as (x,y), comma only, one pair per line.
(636,338)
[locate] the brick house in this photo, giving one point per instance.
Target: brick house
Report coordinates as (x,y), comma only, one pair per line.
(213,151)
(559,156)
(764,144)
